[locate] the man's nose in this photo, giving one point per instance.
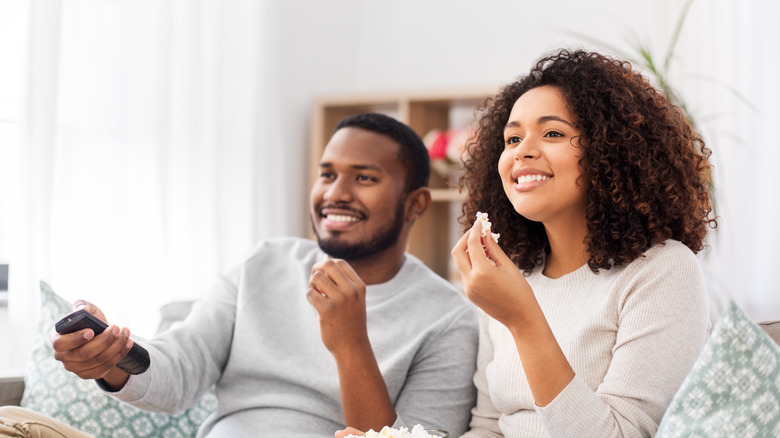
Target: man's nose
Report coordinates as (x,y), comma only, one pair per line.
(339,191)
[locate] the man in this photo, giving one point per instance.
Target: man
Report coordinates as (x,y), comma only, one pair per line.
(303,339)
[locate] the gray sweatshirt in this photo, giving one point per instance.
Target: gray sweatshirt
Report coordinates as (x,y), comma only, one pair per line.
(256,337)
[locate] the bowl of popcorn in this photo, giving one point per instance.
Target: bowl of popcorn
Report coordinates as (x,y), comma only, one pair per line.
(417,432)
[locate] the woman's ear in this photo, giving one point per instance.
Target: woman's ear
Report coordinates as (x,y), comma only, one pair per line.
(417,201)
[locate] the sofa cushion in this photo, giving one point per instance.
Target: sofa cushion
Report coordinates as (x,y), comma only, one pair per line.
(11,387)
(734,386)
(773,329)
(51,390)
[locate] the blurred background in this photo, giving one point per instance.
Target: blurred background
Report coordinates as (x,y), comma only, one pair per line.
(147,145)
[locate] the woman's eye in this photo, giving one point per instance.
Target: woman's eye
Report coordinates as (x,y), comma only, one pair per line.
(513,139)
(326,175)
(554,134)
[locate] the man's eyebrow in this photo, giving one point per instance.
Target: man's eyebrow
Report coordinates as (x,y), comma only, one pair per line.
(543,119)
(354,166)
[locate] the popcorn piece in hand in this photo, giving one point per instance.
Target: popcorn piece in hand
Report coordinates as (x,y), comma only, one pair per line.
(486,225)
(389,432)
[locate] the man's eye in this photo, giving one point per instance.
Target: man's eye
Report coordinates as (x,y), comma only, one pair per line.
(326,175)
(365,178)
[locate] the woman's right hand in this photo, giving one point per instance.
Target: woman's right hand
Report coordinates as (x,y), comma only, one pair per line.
(490,279)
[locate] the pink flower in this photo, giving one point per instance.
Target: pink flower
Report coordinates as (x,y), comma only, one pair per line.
(436,141)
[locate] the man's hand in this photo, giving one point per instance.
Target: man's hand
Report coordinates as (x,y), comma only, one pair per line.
(349,431)
(339,296)
(93,357)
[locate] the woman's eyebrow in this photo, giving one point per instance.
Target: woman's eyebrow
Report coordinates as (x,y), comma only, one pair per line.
(542,119)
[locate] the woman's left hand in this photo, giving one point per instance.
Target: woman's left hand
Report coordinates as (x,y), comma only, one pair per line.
(490,279)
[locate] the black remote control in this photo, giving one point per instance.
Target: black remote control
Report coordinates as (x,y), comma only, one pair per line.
(136,361)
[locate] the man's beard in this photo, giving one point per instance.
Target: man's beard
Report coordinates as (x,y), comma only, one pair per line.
(382,240)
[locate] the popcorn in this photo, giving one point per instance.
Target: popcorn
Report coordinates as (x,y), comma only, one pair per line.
(388,432)
(486,224)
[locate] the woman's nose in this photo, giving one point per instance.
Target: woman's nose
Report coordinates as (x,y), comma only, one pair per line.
(527,148)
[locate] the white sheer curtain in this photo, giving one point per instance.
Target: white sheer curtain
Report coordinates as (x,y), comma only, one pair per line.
(727,66)
(136,178)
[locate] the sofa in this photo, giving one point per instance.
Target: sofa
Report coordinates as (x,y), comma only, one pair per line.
(732,390)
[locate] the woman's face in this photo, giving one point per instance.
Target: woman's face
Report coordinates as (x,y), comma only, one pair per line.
(539,166)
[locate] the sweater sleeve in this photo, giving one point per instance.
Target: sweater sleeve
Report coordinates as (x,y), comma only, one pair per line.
(484,416)
(662,327)
(187,359)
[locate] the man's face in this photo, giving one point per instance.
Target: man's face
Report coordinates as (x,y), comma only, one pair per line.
(358,200)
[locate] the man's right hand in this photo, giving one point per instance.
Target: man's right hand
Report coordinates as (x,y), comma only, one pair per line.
(93,357)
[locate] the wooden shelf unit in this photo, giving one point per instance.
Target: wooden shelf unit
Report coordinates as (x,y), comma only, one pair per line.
(433,235)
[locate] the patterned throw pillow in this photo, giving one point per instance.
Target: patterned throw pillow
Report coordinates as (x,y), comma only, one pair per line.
(734,386)
(53,391)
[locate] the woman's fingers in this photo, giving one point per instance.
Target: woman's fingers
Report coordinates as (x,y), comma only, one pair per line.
(494,252)
(460,255)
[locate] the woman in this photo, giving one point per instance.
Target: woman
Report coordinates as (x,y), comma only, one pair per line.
(601,199)
(593,305)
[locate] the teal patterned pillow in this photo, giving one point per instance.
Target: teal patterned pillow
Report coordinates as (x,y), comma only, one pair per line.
(733,389)
(51,390)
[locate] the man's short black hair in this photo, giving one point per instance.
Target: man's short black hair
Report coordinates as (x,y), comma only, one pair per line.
(412,152)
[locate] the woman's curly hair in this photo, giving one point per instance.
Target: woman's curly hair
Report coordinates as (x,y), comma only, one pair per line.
(645,169)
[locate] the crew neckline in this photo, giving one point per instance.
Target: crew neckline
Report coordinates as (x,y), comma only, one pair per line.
(572,277)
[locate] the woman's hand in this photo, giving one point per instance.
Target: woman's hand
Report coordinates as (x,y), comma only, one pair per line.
(490,279)
(503,293)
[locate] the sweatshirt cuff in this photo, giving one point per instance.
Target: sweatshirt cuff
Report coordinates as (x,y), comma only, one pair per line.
(135,387)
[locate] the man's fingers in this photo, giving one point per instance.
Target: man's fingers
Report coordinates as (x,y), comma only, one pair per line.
(321,282)
(316,298)
(346,270)
(89,307)
(70,341)
(94,358)
(334,278)
(349,431)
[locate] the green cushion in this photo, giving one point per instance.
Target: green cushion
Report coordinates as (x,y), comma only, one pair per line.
(734,386)
(51,390)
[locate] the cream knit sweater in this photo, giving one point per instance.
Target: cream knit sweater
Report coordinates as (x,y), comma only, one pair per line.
(630,333)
